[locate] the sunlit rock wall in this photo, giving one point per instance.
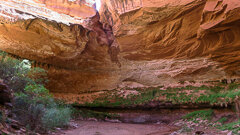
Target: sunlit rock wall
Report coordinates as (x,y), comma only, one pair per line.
(131,43)
(155,30)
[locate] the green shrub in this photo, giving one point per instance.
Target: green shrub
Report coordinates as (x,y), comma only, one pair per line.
(38,75)
(234,126)
(203,114)
(232,86)
(33,105)
(18,73)
(216,89)
(3,55)
(37,109)
(56,117)
(222,120)
(29,114)
(39,94)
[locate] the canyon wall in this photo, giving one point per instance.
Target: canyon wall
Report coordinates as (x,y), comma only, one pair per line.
(131,43)
(201,31)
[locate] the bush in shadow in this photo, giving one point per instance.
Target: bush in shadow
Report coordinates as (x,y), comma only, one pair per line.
(33,105)
(36,109)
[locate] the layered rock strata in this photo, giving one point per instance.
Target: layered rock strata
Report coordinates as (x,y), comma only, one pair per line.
(132,43)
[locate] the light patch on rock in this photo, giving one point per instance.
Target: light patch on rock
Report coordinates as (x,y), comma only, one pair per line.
(125,93)
(98,4)
(9,8)
(25,64)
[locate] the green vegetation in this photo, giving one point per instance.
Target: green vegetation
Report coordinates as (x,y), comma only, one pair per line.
(105,100)
(214,95)
(203,114)
(234,126)
(18,73)
(220,95)
(56,117)
(33,105)
(232,86)
(37,109)
(222,120)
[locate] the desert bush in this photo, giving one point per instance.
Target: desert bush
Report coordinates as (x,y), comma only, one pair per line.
(56,117)
(38,75)
(36,109)
(18,73)
(33,105)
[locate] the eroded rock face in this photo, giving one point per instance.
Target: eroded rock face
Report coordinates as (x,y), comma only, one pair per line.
(77,56)
(186,29)
(61,11)
(135,43)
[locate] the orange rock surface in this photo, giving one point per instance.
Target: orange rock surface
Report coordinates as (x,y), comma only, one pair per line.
(77,8)
(136,43)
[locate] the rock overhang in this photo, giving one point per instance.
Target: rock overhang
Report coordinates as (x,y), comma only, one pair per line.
(66,12)
(153,42)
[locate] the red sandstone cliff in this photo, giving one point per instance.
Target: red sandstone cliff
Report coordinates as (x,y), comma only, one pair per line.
(131,43)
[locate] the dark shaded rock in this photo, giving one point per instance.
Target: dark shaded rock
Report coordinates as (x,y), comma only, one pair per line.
(15,126)
(199,133)
(5,94)
(8,105)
